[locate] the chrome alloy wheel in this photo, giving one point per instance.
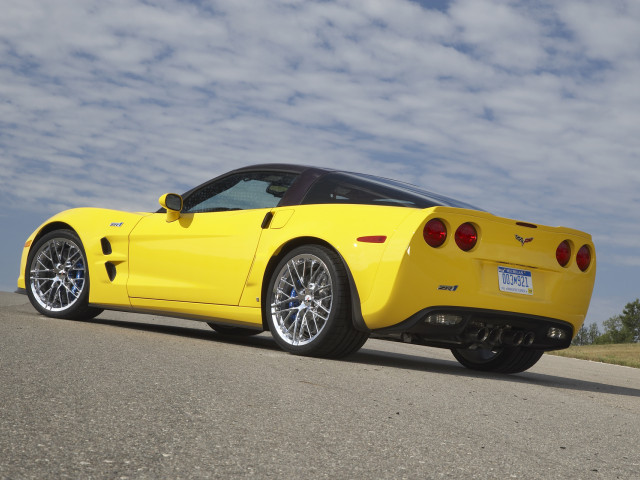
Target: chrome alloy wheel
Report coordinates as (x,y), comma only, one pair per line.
(57,274)
(302,299)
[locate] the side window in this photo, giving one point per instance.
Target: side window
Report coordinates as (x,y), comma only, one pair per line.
(344,188)
(242,191)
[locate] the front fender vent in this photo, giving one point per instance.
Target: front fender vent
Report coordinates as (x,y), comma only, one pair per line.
(106,246)
(111,270)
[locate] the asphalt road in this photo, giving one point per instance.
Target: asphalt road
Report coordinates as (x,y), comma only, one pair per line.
(134,396)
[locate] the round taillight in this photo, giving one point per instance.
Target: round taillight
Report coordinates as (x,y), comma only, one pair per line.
(466,236)
(435,232)
(583,258)
(563,253)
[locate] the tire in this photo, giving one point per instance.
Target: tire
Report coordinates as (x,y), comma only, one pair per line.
(57,277)
(308,305)
(234,331)
(502,360)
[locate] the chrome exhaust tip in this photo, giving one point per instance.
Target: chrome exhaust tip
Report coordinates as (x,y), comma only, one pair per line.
(478,335)
(495,336)
(513,337)
(528,339)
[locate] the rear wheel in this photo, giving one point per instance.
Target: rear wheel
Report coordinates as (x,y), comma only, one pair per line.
(57,277)
(500,360)
(308,305)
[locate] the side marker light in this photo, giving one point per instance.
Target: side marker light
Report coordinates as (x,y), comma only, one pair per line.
(373,239)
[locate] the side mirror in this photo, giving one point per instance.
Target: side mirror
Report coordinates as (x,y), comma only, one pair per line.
(172,203)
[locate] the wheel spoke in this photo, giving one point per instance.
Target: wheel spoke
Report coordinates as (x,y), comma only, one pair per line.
(43,265)
(46,294)
(315,322)
(324,317)
(323,300)
(307,323)
(283,302)
(55,249)
(319,305)
(59,294)
(55,291)
(286,319)
(66,293)
(294,335)
(315,273)
(282,292)
(304,267)
(290,265)
(290,309)
(71,259)
(70,291)
(48,257)
(39,274)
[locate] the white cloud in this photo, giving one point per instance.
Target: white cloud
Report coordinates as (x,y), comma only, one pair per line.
(501,33)
(606,31)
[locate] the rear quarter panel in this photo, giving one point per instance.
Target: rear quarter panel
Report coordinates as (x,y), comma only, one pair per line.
(410,274)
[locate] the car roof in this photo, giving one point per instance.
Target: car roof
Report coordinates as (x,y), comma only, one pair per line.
(280,167)
(308,175)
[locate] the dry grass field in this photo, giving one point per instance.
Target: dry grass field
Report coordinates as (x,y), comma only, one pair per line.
(627,354)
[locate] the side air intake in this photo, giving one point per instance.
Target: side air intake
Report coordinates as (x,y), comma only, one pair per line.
(111,270)
(106,246)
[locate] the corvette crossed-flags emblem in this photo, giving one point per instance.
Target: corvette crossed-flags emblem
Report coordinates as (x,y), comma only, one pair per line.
(523,240)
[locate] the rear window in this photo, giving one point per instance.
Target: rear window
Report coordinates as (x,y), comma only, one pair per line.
(362,189)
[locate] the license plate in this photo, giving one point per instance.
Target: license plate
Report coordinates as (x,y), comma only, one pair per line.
(515,280)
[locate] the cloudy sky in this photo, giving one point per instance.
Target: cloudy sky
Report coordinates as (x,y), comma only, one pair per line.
(528,109)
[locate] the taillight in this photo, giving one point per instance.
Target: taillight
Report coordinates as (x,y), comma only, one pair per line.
(466,236)
(583,258)
(435,232)
(563,253)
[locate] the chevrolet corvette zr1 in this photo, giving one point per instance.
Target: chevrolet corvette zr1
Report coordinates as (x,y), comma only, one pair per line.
(322,259)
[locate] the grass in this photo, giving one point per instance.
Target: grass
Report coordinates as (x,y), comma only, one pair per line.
(627,354)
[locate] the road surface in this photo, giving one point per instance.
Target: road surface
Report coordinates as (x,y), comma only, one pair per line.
(134,396)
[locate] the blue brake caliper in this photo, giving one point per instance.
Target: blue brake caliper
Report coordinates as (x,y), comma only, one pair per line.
(77,277)
(294,302)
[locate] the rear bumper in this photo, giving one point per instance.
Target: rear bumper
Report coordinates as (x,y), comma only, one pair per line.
(482,328)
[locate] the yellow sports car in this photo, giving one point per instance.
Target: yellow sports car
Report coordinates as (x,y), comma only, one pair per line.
(323,258)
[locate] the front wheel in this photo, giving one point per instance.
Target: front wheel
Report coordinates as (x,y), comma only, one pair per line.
(57,277)
(500,360)
(308,306)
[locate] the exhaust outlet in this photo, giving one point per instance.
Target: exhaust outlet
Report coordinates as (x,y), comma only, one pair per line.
(495,336)
(477,334)
(513,337)
(528,339)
